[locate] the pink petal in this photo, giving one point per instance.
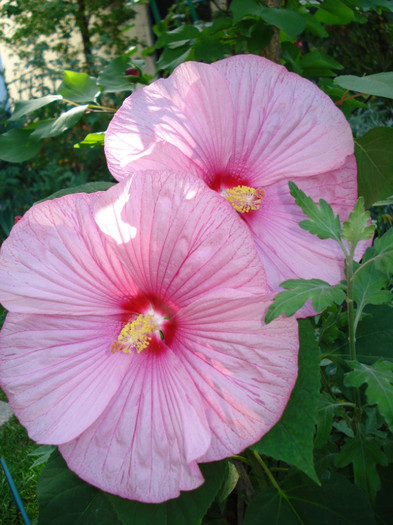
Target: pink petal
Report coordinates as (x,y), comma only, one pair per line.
(243,116)
(285,126)
(185,239)
(173,123)
(286,250)
(55,261)
(145,445)
(58,373)
(244,371)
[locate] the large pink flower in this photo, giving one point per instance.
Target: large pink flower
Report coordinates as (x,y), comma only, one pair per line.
(245,121)
(135,336)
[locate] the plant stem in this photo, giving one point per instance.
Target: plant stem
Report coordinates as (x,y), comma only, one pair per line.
(352,332)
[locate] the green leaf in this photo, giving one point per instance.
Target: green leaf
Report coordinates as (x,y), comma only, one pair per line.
(374,335)
(92,140)
(229,484)
(381,254)
(357,227)
(315,27)
(54,128)
(323,222)
(368,284)
(321,293)
(292,22)
(78,87)
(242,8)
(379,390)
(318,60)
(88,187)
(336,502)
(65,499)
(364,454)
(380,84)
(291,439)
(178,37)
(374,156)
(112,79)
(171,58)
(17,145)
(334,12)
(327,410)
(24,107)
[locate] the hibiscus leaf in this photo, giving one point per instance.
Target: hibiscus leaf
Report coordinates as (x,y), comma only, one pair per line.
(381,253)
(321,293)
(65,499)
(379,390)
(327,410)
(364,454)
(302,502)
(357,227)
(78,87)
(291,439)
(323,222)
(367,287)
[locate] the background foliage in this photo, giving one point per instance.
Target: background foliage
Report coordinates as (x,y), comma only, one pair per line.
(329,459)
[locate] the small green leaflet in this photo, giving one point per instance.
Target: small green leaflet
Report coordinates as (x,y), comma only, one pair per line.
(379,390)
(321,293)
(357,227)
(364,454)
(323,222)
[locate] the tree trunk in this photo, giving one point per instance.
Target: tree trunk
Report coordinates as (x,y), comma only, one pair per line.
(82,21)
(273,50)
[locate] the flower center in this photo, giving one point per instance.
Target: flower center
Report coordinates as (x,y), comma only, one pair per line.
(244,198)
(136,335)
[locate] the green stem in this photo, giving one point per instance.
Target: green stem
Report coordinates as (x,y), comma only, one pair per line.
(352,332)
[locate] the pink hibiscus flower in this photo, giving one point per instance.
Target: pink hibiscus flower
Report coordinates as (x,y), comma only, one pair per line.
(247,126)
(134,338)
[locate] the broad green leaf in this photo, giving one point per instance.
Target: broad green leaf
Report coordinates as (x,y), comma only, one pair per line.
(336,502)
(368,284)
(379,390)
(321,293)
(242,8)
(334,12)
(54,128)
(292,22)
(78,87)
(315,27)
(374,156)
(327,410)
(17,145)
(24,107)
(88,187)
(112,79)
(380,84)
(381,253)
(358,227)
(364,454)
(374,335)
(171,58)
(209,49)
(65,499)
(291,439)
(230,482)
(178,37)
(318,60)
(92,140)
(323,222)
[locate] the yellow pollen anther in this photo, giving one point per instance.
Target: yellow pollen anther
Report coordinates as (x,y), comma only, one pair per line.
(135,335)
(244,198)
